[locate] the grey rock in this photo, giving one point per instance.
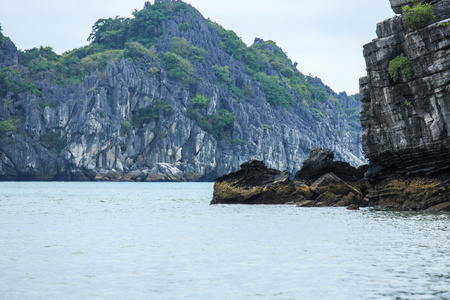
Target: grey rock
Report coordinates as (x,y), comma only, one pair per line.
(405,124)
(81,131)
(8,53)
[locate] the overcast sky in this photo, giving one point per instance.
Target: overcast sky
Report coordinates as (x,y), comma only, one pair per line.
(325,37)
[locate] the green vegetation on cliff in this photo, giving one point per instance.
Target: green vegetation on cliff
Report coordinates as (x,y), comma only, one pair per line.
(219,125)
(398,65)
(142,39)
(7,125)
(11,81)
(418,16)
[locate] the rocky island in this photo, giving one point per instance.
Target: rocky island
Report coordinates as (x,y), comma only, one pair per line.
(405,120)
(165,95)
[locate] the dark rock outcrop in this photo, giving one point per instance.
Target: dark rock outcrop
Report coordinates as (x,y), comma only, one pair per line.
(257,184)
(89,130)
(406,123)
(320,162)
(254,183)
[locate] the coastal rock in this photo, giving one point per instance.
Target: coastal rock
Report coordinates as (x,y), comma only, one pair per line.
(254,183)
(405,123)
(320,162)
(419,194)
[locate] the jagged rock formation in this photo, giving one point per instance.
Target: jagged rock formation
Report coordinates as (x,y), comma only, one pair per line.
(323,182)
(94,130)
(315,185)
(406,123)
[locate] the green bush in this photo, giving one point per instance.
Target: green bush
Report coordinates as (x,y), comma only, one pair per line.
(419,16)
(184,27)
(178,68)
(11,81)
(219,125)
(276,94)
(146,27)
(99,61)
(200,101)
(272,54)
(135,50)
(7,125)
(400,64)
(126,127)
(223,74)
(231,43)
(184,49)
(152,113)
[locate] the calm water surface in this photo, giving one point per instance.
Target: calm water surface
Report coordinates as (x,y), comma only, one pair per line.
(164,241)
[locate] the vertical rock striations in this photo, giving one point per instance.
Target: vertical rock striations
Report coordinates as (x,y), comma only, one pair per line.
(135,118)
(406,120)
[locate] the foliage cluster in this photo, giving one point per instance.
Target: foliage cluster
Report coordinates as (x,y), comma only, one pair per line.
(419,16)
(135,50)
(200,101)
(400,64)
(11,81)
(296,81)
(126,127)
(145,26)
(219,125)
(111,38)
(223,74)
(257,56)
(68,68)
(184,49)
(233,45)
(178,68)
(184,27)
(7,125)
(152,113)
(276,94)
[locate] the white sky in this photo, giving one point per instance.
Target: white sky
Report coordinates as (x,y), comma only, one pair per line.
(325,37)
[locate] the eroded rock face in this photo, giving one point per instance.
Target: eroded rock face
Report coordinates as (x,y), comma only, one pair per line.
(406,123)
(88,131)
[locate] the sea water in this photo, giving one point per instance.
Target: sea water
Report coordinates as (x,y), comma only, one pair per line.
(91,240)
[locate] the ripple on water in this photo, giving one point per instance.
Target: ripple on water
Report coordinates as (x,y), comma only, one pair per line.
(156,240)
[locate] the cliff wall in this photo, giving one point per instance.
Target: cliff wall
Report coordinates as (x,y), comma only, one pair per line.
(95,129)
(406,123)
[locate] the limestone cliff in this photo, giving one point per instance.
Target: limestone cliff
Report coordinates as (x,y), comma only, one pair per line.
(134,120)
(406,122)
